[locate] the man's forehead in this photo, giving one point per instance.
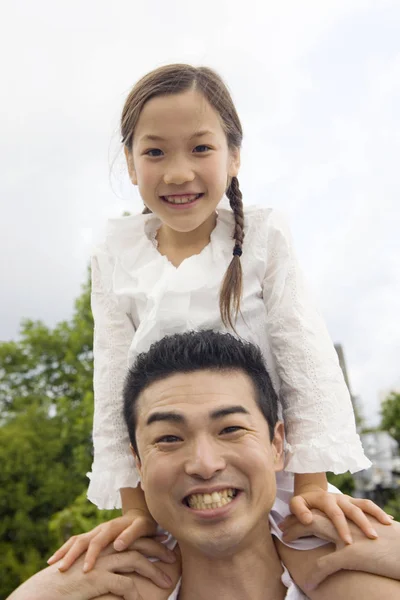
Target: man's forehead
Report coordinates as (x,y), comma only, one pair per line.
(202,388)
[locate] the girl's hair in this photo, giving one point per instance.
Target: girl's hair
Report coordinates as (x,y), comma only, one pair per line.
(174,79)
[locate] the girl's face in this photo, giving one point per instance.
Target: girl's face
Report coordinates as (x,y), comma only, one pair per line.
(180,159)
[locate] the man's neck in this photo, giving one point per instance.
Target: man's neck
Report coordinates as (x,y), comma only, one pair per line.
(251,573)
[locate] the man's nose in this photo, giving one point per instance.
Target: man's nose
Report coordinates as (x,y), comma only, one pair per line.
(178,172)
(205,459)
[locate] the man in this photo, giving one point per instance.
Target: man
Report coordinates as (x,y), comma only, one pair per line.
(202,419)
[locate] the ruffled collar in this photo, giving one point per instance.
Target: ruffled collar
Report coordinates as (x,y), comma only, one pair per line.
(220,235)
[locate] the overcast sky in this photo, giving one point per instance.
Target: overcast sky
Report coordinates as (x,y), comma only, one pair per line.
(317,86)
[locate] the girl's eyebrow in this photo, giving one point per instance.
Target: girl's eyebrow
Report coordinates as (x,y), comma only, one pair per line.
(150,137)
(201,133)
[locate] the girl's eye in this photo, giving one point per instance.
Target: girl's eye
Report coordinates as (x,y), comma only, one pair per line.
(168,439)
(202,148)
(232,429)
(154,152)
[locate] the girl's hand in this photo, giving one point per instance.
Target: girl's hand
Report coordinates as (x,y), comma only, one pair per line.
(338,507)
(123,531)
(380,556)
(320,526)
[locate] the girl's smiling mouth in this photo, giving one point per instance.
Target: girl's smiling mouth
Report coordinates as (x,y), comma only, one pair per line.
(179,199)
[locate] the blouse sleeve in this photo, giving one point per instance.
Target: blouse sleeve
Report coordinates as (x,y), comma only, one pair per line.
(317,409)
(113,465)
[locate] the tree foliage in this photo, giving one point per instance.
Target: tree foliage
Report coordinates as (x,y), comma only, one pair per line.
(344,482)
(391,415)
(391,422)
(46,407)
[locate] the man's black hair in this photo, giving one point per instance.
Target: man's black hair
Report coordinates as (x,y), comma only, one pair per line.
(197,351)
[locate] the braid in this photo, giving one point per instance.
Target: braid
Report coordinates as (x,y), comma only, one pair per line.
(235,200)
(231,289)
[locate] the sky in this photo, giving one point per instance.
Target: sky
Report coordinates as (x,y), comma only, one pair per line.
(317,87)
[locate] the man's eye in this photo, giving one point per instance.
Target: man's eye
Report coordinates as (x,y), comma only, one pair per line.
(232,429)
(153,152)
(202,148)
(168,439)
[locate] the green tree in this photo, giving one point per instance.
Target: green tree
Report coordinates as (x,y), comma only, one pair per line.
(344,482)
(391,415)
(391,422)
(46,407)
(393,505)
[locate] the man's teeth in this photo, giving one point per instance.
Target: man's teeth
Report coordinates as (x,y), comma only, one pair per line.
(213,500)
(181,199)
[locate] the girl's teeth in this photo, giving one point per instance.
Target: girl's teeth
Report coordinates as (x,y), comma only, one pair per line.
(181,199)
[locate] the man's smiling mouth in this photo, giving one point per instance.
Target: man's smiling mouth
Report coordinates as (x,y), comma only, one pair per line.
(212,500)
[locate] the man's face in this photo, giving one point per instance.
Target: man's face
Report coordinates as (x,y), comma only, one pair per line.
(206,460)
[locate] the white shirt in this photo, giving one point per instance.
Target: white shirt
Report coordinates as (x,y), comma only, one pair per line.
(138,297)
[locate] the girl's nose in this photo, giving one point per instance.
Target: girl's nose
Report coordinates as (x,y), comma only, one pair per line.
(178,174)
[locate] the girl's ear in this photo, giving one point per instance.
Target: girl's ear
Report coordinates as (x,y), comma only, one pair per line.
(234,164)
(131,167)
(278,446)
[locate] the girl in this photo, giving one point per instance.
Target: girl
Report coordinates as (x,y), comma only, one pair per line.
(176,268)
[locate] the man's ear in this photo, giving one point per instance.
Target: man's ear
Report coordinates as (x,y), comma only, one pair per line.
(234,164)
(131,166)
(137,462)
(278,446)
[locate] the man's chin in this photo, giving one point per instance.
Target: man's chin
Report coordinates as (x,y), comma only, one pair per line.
(213,539)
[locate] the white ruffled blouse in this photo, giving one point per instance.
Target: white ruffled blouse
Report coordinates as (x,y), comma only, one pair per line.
(138,297)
